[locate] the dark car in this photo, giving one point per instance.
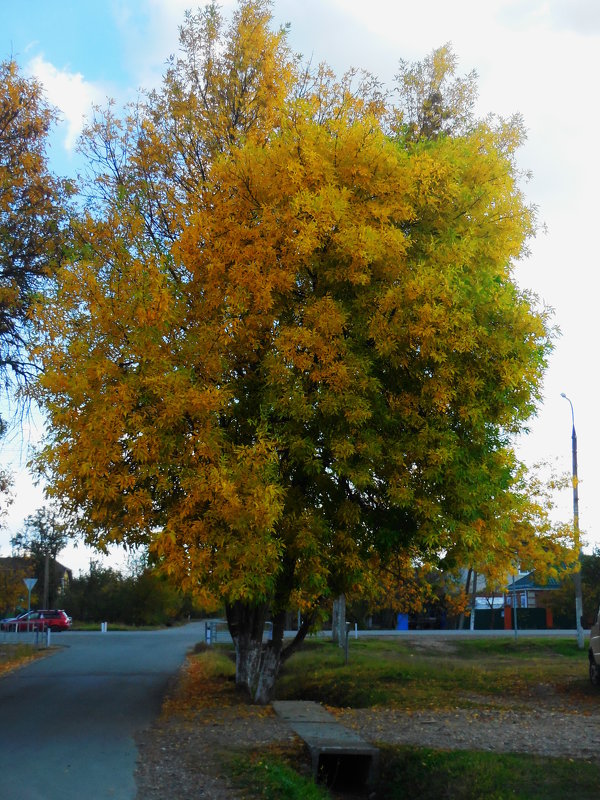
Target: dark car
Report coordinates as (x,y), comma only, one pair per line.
(42,619)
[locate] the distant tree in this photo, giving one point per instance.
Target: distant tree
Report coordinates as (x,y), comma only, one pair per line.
(590,585)
(104,594)
(43,533)
(42,538)
(562,601)
(96,596)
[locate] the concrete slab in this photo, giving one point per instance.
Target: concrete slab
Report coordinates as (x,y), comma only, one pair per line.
(340,757)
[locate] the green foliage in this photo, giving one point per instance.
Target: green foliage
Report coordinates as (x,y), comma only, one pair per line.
(590,585)
(103,594)
(563,599)
(467,775)
(268,778)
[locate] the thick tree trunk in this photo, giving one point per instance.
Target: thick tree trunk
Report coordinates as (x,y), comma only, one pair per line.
(267,675)
(247,662)
(257,663)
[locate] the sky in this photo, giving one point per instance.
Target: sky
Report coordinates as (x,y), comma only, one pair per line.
(540,58)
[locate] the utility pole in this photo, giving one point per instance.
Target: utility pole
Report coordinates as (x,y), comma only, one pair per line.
(46,579)
(577,575)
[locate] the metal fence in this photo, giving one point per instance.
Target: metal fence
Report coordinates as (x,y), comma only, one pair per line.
(36,638)
(216,631)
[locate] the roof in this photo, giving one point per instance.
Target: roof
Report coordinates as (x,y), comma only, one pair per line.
(528,582)
(11,563)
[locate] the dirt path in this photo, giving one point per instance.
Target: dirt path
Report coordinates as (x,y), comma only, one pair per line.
(543,732)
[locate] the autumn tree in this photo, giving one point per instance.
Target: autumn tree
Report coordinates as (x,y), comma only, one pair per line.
(32,223)
(31,212)
(12,587)
(290,353)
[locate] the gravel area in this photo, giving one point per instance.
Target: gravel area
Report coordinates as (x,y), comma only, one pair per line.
(542,732)
(180,758)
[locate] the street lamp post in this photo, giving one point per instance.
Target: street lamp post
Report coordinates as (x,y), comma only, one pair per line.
(577,575)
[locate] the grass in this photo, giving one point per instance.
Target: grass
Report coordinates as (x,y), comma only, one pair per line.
(429,775)
(15,655)
(432,674)
(270,778)
(207,681)
(465,775)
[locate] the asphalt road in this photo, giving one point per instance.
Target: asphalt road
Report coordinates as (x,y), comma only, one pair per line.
(68,721)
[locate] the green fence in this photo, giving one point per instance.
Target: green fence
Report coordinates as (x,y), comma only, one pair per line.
(527,619)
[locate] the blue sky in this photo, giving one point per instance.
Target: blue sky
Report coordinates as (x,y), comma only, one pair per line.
(537,57)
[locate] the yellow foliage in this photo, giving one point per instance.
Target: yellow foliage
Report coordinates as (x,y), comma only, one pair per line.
(287,352)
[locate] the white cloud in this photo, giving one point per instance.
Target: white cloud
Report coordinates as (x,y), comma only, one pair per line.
(582,16)
(70,93)
(151,37)
(579,16)
(171,12)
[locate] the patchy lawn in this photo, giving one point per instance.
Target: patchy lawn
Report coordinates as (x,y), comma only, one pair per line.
(15,655)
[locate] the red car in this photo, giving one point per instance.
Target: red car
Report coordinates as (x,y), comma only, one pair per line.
(55,619)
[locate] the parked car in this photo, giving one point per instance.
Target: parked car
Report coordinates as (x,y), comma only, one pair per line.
(42,619)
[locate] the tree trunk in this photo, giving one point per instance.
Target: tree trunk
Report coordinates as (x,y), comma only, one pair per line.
(473,601)
(247,662)
(341,621)
(267,674)
(257,663)
(461,620)
(335,627)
